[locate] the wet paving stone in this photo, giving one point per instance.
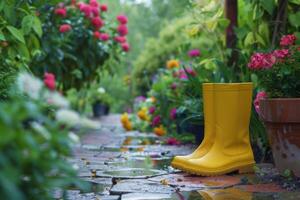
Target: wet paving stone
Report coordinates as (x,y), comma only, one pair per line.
(145,196)
(188,182)
(140,186)
(131,173)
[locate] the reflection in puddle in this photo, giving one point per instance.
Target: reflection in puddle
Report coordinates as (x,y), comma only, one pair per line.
(146,163)
(131,173)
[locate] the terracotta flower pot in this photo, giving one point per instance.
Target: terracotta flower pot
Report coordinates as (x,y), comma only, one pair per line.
(282,120)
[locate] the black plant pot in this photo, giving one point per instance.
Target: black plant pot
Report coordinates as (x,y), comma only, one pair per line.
(100,109)
(196,128)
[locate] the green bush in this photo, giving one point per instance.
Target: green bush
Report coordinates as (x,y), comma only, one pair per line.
(173,40)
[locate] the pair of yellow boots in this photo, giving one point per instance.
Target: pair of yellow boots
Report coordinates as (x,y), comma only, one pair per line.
(226,145)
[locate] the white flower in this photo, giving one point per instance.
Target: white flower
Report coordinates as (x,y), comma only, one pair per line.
(101,90)
(41,129)
(67,117)
(29,85)
(87,123)
(74,138)
(56,99)
(149,100)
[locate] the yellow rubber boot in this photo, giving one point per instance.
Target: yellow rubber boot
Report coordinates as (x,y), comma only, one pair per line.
(179,162)
(231,150)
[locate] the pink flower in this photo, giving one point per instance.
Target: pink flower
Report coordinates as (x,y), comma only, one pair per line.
(103,7)
(183,75)
(120,39)
(97,34)
(191,72)
(104,37)
(94,3)
(261,61)
(194,53)
(49,81)
(65,28)
(172,141)
(125,46)
(86,9)
(288,40)
(122,30)
(73,2)
(95,11)
(152,110)
(283,53)
(61,12)
(156,121)
(122,19)
(173,113)
(97,22)
(260,95)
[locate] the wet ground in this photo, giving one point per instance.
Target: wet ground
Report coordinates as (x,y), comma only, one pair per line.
(136,166)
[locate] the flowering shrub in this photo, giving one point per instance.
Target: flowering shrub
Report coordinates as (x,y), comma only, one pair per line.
(36,140)
(279,71)
(78,38)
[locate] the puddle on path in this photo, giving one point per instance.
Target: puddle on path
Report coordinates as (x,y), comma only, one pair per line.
(143,162)
(131,173)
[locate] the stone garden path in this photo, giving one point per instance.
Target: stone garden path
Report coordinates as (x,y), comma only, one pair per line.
(136,166)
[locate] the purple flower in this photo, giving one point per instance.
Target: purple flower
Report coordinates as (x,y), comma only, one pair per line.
(173,86)
(152,110)
(156,121)
(194,53)
(173,113)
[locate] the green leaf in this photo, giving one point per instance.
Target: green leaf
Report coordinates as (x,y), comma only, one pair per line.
(295,1)
(294,19)
(2,37)
(37,26)
(27,23)
(268,5)
(18,34)
(249,40)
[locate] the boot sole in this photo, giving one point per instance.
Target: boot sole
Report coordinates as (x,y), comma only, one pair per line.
(244,169)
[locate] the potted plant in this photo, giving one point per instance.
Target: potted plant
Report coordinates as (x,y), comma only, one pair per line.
(100,101)
(279,106)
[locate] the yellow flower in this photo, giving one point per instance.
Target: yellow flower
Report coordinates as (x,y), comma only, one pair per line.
(124,118)
(172,64)
(127,126)
(142,114)
(160,131)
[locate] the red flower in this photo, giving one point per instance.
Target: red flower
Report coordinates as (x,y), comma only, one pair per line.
(94,3)
(122,30)
(122,19)
(120,39)
(49,81)
(125,46)
(97,22)
(288,40)
(104,36)
(65,28)
(73,2)
(156,121)
(259,96)
(172,141)
(95,11)
(86,9)
(61,12)
(151,110)
(261,61)
(97,34)
(283,53)
(103,7)
(173,113)
(194,53)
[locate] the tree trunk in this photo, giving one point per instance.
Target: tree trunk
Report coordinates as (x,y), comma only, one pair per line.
(231,13)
